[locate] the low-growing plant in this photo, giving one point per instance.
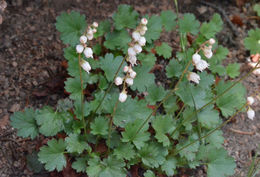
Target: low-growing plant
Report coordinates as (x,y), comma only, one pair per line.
(117,117)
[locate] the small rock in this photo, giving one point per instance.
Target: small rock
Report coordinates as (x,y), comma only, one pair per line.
(35,83)
(28,9)
(14,64)
(14,107)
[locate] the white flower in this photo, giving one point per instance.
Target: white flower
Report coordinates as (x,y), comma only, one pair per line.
(142,41)
(132,74)
(136,36)
(131,51)
(83,39)
(196,58)
(94,30)
(208,54)
(85,65)
(201,65)
(212,41)
(250,100)
(122,96)
(126,68)
(250,113)
(79,48)
(194,77)
(88,52)
(137,48)
(143,30)
(132,60)
(95,24)
(118,81)
(129,81)
(144,21)
(207,51)
(90,36)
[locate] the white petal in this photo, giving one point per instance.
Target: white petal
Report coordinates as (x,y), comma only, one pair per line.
(129,81)
(144,21)
(85,65)
(194,77)
(196,58)
(83,39)
(118,81)
(251,114)
(250,100)
(131,52)
(79,48)
(122,97)
(88,52)
(136,36)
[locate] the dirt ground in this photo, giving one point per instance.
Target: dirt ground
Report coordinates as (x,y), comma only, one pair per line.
(31,72)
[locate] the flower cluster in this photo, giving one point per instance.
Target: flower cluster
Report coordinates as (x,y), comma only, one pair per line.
(82,47)
(199,63)
(250,111)
(138,41)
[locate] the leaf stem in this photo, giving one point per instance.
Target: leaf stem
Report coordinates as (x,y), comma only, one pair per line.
(82,96)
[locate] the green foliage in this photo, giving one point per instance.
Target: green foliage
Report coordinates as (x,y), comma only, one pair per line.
(154,29)
(71,26)
(99,126)
(149,173)
(257,9)
(53,155)
(125,17)
(252,42)
(125,151)
(103,27)
(73,86)
(233,70)
(117,40)
(164,50)
(155,94)
(168,20)
(169,165)
(25,123)
(209,30)
(174,69)
(209,118)
(189,24)
(74,144)
(80,165)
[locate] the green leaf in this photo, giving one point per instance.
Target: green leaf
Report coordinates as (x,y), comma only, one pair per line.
(143,78)
(189,24)
(71,26)
(125,17)
(210,29)
(163,125)
(73,86)
(257,9)
(169,166)
(99,126)
(216,139)
(131,110)
(155,94)
(147,59)
(170,105)
(153,154)
(129,135)
(154,27)
(233,70)
(74,144)
(33,164)
(103,27)
(149,173)
(53,155)
(50,122)
(168,20)
(125,151)
(232,100)
(110,65)
(206,80)
(252,42)
(174,69)
(80,165)
(164,50)
(25,123)
(209,117)
(117,40)
(109,167)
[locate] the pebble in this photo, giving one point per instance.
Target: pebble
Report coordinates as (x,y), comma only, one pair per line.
(15,107)
(14,64)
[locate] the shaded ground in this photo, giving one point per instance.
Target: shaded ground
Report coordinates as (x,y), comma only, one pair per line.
(31,72)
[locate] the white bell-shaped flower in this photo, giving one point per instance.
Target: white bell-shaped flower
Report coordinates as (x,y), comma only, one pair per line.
(137,48)
(118,81)
(143,30)
(83,39)
(122,96)
(79,48)
(95,24)
(201,65)
(129,81)
(132,60)
(250,113)
(212,41)
(136,36)
(131,51)
(144,21)
(207,51)
(132,74)
(196,58)
(250,100)
(85,65)
(142,41)
(194,77)
(88,52)
(126,68)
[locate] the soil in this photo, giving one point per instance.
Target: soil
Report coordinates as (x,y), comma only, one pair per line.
(31,72)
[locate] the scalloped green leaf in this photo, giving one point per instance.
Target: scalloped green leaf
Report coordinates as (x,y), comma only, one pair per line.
(252,42)
(154,27)
(75,144)
(168,20)
(164,50)
(189,24)
(155,94)
(99,126)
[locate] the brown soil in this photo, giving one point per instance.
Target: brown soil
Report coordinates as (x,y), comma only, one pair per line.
(31,73)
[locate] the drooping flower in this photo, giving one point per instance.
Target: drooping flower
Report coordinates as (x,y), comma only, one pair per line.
(129,81)
(194,77)
(118,81)
(83,39)
(132,60)
(88,52)
(201,65)
(136,36)
(142,41)
(137,48)
(79,48)
(196,58)
(131,51)
(212,41)
(85,65)
(250,113)
(250,100)
(122,96)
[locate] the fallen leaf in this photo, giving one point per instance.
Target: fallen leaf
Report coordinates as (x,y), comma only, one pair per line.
(235,19)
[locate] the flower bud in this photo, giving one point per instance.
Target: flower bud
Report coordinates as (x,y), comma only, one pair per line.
(129,81)
(85,65)
(194,77)
(143,30)
(142,41)
(144,21)
(118,81)
(137,48)
(212,41)
(196,58)
(126,68)
(90,36)
(79,48)
(207,51)
(94,30)
(136,36)
(201,65)
(83,39)
(250,113)
(88,52)
(250,100)
(95,24)
(132,60)
(132,74)
(122,96)
(131,51)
